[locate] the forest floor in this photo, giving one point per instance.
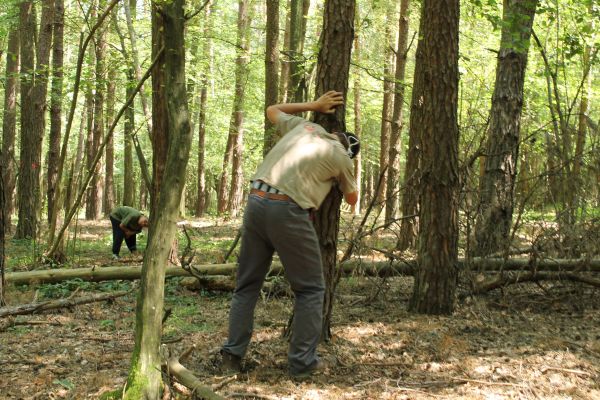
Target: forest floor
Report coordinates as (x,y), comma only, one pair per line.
(527,341)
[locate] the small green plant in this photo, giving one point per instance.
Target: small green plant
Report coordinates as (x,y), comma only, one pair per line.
(63,289)
(107,324)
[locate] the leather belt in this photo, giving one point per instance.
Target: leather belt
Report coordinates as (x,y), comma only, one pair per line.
(271,196)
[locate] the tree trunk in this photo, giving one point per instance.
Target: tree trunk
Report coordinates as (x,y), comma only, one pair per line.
(285,62)
(89,131)
(357,117)
(34,85)
(296,86)
(409,199)
(435,94)
(333,68)
(387,107)
(109,182)
(95,192)
(130,6)
(145,373)
(128,130)
(160,128)
(55,107)
(271,71)
(236,127)
(497,185)
(2,239)
(393,172)
(9,124)
(201,198)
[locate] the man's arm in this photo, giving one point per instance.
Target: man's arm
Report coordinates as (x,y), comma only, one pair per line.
(351,198)
(325,104)
(128,232)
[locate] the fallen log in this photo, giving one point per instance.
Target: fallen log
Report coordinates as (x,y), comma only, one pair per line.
(98,274)
(354,266)
(512,278)
(60,303)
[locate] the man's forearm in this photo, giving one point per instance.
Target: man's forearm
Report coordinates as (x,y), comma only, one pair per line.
(324,104)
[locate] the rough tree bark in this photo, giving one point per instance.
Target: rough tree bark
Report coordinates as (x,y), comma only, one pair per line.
(145,374)
(388,104)
(34,86)
(497,185)
(236,127)
(201,198)
(108,202)
(55,106)
(96,190)
(357,117)
(9,124)
(435,94)
(393,172)
(271,71)
(333,68)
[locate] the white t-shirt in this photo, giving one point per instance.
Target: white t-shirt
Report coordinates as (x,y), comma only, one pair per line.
(306,162)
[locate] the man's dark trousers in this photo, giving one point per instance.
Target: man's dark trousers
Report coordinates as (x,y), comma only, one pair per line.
(118,236)
(282,226)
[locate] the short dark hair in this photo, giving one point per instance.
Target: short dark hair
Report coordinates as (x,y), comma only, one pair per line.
(350,142)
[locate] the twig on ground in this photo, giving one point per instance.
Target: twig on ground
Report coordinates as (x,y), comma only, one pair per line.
(546,368)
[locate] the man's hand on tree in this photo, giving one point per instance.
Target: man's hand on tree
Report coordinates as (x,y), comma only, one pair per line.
(327,103)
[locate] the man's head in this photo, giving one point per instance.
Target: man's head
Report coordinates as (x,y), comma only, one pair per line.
(143,221)
(350,142)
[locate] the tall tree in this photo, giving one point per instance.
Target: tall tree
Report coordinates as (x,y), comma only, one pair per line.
(387,107)
(201,199)
(9,123)
(236,128)
(409,200)
(271,70)
(96,189)
(497,184)
(34,85)
(297,86)
(160,127)
(108,202)
(434,101)
(333,67)
(357,114)
(393,172)
(55,106)
(145,372)
(2,239)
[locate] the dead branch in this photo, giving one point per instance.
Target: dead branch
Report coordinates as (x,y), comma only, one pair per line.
(188,379)
(60,303)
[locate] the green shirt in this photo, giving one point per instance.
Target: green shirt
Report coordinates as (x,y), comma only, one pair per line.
(128,216)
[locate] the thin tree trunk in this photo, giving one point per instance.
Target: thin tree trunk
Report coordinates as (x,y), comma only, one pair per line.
(285,62)
(497,185)
(128,128)
(145,372)
(387,107)
(129,6)
(34,86)
(393,172)
(357,117)
(9,124)
(2,240)
(332,74)
(297,85)
(237,116)
(109,184)
(96,189)
(160,128)
(55,107)
(271,71)
(435,100)
(201,198)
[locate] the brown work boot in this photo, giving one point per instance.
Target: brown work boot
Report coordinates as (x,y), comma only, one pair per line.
(317,368)
(230,362)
